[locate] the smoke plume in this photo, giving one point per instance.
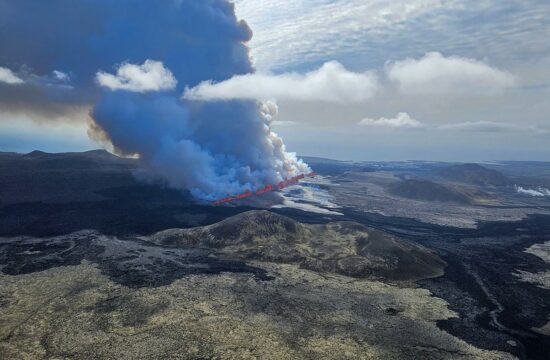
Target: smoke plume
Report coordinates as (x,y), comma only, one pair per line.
(130,61)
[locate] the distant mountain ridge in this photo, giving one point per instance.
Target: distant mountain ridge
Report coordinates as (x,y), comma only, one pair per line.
(42,176)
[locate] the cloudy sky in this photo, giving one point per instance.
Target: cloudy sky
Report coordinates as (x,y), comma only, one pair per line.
(458,80)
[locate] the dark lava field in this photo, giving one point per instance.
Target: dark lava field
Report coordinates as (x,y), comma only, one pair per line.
(85,226)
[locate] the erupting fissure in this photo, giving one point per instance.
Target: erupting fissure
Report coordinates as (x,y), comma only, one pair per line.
(129,85)
(268,188)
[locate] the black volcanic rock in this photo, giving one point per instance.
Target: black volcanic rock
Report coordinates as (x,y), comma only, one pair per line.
(426,190)
(472,174)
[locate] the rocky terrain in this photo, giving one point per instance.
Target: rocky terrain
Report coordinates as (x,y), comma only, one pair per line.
(346,248)
(256,284)
(541,279)
(415,195)
(76,312)
(367,261)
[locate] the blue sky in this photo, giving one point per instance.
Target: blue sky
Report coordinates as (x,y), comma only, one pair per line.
(471,77)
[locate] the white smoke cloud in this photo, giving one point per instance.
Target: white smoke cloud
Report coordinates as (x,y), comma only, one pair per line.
(150,76)
(286,163)
(435,74)
(539,192)
(7,76)
(330,83)
(401,120)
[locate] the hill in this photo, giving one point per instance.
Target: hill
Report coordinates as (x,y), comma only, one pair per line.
(346,248)
(427,190)
(472,174)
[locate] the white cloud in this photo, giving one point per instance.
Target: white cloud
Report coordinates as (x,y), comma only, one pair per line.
(290,32)
(293,33)
(330,83)
(61,76)
(151,76)
(492,127)
(401,120)
(8,77)
(404,120)
(284,123)
(435,74)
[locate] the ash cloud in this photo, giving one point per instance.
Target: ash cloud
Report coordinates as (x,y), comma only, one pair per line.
(145,53)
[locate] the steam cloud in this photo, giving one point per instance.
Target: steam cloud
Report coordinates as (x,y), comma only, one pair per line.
(539,192)
(130,61)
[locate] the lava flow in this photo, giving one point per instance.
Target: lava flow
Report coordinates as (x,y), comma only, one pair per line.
(268,188)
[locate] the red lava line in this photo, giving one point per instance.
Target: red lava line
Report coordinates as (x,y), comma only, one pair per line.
(268,188)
